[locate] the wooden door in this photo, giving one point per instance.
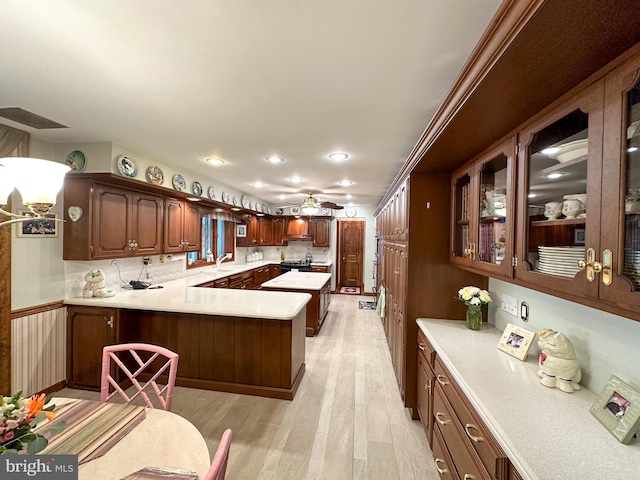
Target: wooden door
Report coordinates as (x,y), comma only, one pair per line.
(351,253)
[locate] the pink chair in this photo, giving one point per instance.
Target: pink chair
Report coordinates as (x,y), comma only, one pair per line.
(218,466)
(125,356)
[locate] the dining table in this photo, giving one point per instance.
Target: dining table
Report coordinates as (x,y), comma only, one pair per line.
(114,440)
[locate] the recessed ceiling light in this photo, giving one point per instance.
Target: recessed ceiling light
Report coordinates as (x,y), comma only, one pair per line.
(338,156)
(236,209)
(215,161)
(531,195)
(275,159)
(632,149)
(259,184)
(348,196)
(554,175)
(550,150)
(345,183)
(296,179)
(282,197)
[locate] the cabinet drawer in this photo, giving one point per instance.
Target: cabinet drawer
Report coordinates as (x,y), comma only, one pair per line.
(426,349)
(442,459)
(492,456)
(465,458)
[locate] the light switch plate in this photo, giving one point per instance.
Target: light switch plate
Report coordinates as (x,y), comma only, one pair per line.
(510,305)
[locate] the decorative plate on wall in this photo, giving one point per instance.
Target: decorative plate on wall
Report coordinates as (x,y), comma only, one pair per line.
(235,201)
(196,188)
(245,201)
(76,161)
(279,211)
(295,210)
(212,193)
(251,206)
(155,175)
(264,208)
(179,183)
(127,166)
(225,197)
(258,209)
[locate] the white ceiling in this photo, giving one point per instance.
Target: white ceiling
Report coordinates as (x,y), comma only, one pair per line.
(180,81)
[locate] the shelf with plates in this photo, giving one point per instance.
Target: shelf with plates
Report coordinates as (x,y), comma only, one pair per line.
(559,221)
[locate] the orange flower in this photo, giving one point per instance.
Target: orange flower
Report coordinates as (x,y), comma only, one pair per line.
(35,405)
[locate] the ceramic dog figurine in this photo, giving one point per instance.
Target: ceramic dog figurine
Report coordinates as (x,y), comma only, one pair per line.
(557,364)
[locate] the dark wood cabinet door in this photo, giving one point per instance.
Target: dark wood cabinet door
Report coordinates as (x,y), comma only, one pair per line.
(424,396)
(89,329)
(111,228)
(279,229)
(147,211)
(265,231)
(274,271)
(252,232)
(173,225)
(321,232)
(192,228)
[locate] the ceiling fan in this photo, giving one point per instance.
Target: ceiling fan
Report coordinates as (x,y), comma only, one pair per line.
(311,205)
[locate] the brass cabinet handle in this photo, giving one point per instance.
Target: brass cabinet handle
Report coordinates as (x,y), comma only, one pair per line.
(109,321)
(470,435)
(590,265)
(441,471)
(442,380)
(441,421)
(421,346)
(427,387)
(607,260)
(468,476)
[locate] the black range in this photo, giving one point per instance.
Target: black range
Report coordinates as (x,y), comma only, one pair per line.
(300,265)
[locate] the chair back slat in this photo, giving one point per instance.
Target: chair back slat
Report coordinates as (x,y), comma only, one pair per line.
(218,467)
(113,355)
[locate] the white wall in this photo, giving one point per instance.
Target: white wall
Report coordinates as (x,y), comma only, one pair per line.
(605,344)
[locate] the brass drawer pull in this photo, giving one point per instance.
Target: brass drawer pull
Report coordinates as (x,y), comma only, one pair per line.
(471,436)
(441,421)
(421,347)
(441,471)
(442,380)
(468,476)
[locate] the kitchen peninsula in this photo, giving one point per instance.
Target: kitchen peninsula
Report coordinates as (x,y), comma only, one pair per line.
(232,340)
(318,285)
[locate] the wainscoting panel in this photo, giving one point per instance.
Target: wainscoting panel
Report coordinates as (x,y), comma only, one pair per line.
(38,350)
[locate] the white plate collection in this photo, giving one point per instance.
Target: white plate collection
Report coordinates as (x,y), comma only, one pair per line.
(196,188)
(127,166)
(632,265)
(212,193)
(559,261)
(179,183)
(155,175)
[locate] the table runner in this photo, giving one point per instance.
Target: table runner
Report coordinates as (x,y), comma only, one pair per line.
(92,428)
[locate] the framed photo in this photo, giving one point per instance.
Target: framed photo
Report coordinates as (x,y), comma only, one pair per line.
(38,227)
(516,341)
(241,230)
(618,409)
(578,236)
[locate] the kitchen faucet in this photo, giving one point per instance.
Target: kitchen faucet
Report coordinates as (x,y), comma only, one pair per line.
(221,258)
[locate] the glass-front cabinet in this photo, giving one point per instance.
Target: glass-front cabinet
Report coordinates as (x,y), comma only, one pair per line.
(483,211)
(560,172)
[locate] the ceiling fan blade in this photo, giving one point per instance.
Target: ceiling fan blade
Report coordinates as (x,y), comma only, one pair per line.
(331,205)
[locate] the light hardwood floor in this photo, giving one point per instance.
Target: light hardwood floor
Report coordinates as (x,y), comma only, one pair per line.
(346,422)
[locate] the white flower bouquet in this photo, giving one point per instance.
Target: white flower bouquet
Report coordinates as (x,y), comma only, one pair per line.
(474,296)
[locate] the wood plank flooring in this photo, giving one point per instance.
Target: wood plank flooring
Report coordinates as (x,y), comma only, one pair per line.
(346,422)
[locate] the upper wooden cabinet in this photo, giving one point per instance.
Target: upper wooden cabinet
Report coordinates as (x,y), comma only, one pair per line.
(483,204)
(115,222)
(279,229)
(181,226)
(265,231)
(320,228)
(392,221)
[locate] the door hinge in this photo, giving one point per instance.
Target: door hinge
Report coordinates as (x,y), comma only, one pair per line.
(517,149)
(514,261)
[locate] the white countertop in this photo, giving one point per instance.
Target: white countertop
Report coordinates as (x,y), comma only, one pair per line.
(183,295)
(299,281)
(321,264)
(547,434)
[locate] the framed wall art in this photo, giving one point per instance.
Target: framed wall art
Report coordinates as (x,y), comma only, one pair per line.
(38,227)
(241,230)
(618,409)
(516,341)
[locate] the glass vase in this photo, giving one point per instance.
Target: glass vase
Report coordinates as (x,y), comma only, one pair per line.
(474,317)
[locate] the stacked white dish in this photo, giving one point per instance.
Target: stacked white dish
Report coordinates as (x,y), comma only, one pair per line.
(632,265)
(560,261)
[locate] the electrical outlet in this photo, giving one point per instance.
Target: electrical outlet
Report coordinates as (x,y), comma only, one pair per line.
(146,260)
(510,305)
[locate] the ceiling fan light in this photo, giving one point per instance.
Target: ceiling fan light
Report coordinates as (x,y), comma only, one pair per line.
(310,210)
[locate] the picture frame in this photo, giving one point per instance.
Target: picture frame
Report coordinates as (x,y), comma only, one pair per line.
(241,230)
(516,341)
(40,227)
(579,236)
(618,409)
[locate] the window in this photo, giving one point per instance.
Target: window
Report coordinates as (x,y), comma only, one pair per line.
(217,239)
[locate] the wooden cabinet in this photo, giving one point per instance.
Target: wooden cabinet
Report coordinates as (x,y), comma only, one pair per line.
(483,204)
(274,271)
(320,229)
(243,280)
(424,385)
(474,451)
(279,230)
(181,226)
(116,222)
(89,329)
(265,231)
(393,223)
(261,275)
(320,269)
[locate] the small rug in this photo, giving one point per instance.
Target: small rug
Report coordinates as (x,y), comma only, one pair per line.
(367,305)
(350,290)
